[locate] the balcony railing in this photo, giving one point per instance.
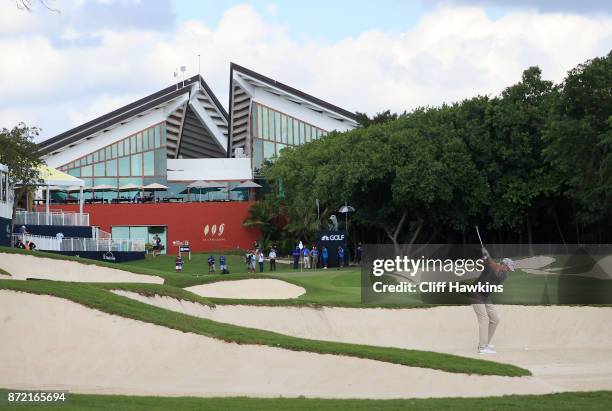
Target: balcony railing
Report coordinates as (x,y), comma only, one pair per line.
(51,218)
(80,244)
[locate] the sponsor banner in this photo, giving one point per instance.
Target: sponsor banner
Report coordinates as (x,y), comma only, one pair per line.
(538,274)
(5,231)
(332,240)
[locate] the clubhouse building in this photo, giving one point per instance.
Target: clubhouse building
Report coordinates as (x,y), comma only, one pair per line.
(176,164)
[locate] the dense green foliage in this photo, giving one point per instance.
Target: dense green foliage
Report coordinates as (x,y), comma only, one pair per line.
(533,164)
(19,152)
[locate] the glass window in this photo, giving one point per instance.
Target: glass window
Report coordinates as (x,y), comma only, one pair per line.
(272,136)
(108,153)
(152,139)
(122,233)
(133,144)
(149,163)
(95,157)
(302,133)
(126,147)
(124,166)
(90,159)
(160,162)
(99,169)
(136,164)
(157,142)
(277,124)
(86,171)
(145,141)
(111,168)
(259,121)
(290,130)
(307,133)
(296,132)
(284,129)
(264,123)
(163,141)
(268,149)
(139,142)
(114,151)
(101,155)
(77,163)
(120,149)
(257,153)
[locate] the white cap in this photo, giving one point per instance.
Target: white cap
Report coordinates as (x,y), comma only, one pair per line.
(511,264)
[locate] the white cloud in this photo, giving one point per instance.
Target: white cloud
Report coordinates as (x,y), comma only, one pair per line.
(452,53)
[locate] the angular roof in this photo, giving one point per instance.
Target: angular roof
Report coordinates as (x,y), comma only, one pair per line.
(289,90)
(125,113)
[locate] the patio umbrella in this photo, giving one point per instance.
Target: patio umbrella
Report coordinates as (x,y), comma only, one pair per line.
(129,187)
(246,186)
(202,187)
(103,188)
(154,187)
(346,209)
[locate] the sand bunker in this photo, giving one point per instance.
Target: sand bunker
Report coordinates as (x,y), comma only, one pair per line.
(258,289)
(567,347)
(535,262)
(51,343)
(23,267)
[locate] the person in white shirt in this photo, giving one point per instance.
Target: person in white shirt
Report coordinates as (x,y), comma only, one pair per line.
(260,260)
(272,257)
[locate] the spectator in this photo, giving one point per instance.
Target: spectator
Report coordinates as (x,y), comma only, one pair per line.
(340,257)
(324,257)
(23,231)
(156,245)
(59,237)
(359,254)
(247,260)
(137,197)
(296,257)
(260,260)
(314,255)
(306,253)
(272,257)
(178,264)
(211,264)
(253,260)
(223,265)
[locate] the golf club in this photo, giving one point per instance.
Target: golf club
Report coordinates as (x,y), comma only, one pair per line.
(478,232)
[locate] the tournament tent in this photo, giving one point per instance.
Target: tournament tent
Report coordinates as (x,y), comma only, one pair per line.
(50,177)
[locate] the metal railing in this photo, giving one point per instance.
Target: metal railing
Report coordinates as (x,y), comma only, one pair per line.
(80,244)
(51,218)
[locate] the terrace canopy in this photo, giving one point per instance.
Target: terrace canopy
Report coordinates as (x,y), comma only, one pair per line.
(51,177)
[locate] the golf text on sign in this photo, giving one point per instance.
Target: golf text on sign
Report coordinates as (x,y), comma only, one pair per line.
(333,237)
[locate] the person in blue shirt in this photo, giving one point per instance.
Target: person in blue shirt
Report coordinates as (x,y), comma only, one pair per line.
(296,257)
(223,265)
(359,253)
(340,257)
(211,264)
(324,257)
(306,253)
(314,256)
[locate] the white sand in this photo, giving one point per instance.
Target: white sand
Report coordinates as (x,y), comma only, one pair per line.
(567,347)
(23,267)
(51,343)
(259,289)
(535,262)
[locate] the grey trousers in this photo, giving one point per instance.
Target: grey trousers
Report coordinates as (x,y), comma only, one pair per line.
(487,322)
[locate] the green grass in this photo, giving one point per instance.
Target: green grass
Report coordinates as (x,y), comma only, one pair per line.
(569,401)
(99,298)
(2,272)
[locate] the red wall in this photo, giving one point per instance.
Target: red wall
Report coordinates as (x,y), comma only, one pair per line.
(185,221)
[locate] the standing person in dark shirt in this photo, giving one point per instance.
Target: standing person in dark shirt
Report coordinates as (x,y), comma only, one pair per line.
(486,314)
(358,253)
(296,258)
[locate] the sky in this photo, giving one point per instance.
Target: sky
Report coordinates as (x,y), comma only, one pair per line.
(84,58)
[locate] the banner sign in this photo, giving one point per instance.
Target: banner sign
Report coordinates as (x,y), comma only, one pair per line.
(332,240)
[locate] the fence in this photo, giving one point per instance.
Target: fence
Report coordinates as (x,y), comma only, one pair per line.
(81,244)
(51,218)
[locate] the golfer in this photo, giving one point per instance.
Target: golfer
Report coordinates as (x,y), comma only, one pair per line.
(493,274)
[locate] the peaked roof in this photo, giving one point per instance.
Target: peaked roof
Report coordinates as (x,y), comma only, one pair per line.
(290,90)
(126,112)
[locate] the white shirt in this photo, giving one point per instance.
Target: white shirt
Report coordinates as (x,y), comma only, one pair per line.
(261,258)
(272,254)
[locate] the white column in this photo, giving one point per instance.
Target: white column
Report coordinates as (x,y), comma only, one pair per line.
(47,205)
(81,202)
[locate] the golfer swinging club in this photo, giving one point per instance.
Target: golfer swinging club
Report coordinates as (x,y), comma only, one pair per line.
(494,273)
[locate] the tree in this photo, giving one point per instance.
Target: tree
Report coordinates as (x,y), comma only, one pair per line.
(383,117)
(19,152)
(579,136)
